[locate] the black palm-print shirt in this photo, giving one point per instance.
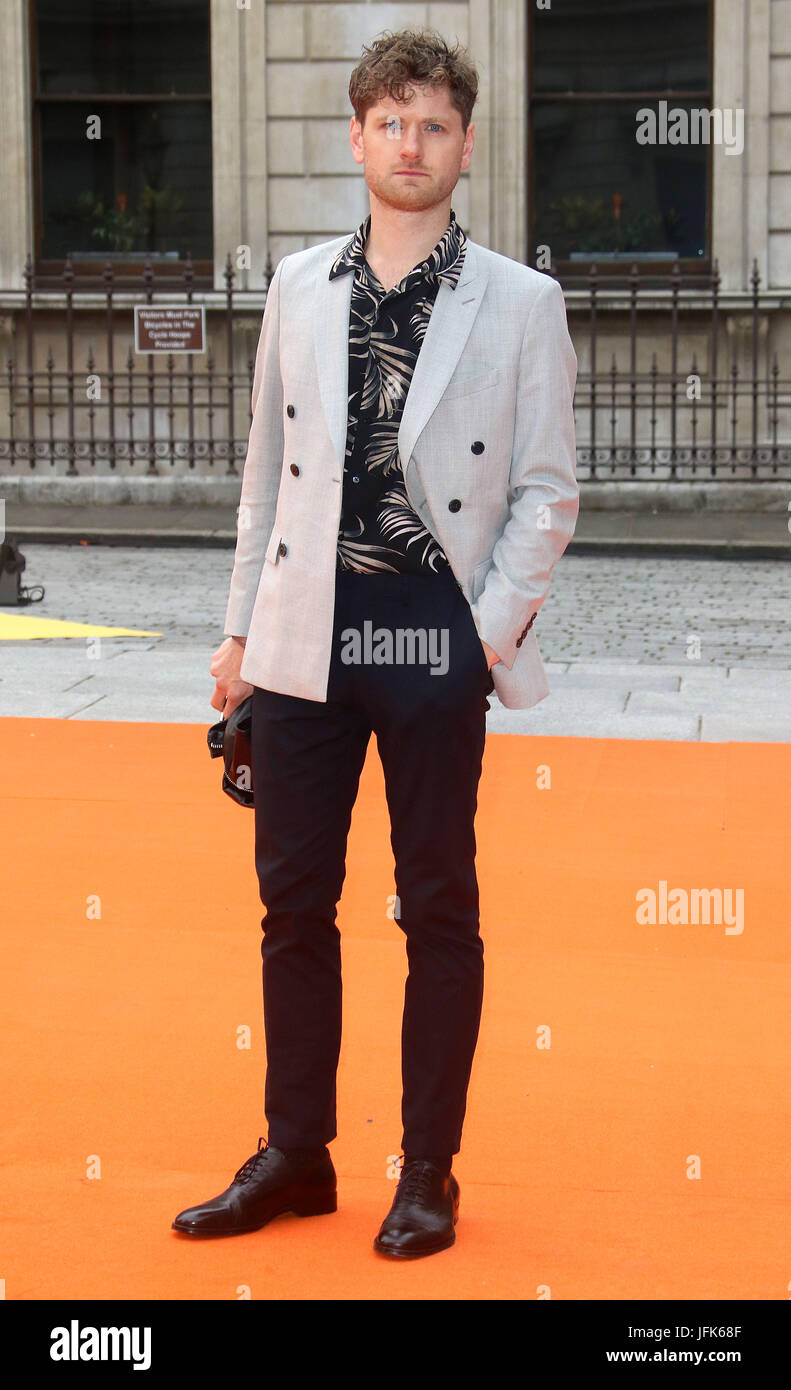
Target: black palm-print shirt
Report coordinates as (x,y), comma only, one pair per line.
(379,530)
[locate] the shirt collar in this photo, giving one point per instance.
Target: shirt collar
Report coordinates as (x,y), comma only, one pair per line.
(444,263)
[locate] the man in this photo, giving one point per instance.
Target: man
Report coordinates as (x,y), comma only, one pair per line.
(410,478)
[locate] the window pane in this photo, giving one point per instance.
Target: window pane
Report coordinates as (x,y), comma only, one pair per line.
(596,190)
(144,186)
(123,45)
(621,46)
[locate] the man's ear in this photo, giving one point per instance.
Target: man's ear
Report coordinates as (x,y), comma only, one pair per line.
(354,136)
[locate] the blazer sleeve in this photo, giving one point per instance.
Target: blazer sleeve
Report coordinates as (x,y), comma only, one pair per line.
(262,468)
(542,479)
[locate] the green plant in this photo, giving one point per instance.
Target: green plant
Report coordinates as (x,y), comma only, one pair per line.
(115,228)
(112,228)
(580,223)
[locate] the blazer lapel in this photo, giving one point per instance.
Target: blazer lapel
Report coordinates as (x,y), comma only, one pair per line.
(452,317)
(448,329)
(330,313)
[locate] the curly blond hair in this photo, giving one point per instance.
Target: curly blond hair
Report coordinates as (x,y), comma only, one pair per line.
(413,56)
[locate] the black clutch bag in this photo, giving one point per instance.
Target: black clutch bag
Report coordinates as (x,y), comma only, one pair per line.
(230,740)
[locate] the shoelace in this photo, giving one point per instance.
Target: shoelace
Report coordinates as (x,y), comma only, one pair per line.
(248,1168)
(415,1181)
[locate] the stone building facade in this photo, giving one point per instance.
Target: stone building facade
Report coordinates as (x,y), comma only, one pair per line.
(283,177)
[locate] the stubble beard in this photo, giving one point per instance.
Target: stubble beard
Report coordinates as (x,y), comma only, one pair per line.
(417,196)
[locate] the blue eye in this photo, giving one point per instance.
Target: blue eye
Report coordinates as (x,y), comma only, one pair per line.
(394,124)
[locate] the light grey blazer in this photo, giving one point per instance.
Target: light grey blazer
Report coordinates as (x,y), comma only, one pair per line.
(496,365)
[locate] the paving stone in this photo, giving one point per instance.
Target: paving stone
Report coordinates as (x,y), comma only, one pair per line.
(726,728)
(614,634)
(592,724)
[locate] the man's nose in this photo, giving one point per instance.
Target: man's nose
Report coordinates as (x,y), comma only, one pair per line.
(410,145)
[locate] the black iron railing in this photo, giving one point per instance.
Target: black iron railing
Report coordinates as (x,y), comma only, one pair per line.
(675,381)
(675,384)
(122,411)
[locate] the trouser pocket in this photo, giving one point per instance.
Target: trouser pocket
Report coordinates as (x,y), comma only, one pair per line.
(468,623)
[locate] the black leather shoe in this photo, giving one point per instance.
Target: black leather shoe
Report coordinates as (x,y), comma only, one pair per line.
(269,1183)
(424,1212)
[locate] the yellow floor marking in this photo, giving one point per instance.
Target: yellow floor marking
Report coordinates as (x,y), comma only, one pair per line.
(16,627)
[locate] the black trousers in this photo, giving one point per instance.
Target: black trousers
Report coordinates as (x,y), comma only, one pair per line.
(429,717)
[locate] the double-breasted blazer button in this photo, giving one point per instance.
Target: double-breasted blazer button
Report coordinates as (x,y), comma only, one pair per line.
(295,469)
(290,412)
(478,446)
(282,549)
(454,505)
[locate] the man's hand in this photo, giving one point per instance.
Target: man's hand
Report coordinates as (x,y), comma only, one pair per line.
(230,690)
(491,655)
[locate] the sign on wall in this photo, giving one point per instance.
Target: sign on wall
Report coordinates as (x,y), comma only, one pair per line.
(162,329)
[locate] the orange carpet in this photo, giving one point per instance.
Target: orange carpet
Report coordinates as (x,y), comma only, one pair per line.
(643,1154)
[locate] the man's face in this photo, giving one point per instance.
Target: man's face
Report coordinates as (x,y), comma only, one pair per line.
(412,151)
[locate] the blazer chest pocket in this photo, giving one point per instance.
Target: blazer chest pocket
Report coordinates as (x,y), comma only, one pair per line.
(470,385)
